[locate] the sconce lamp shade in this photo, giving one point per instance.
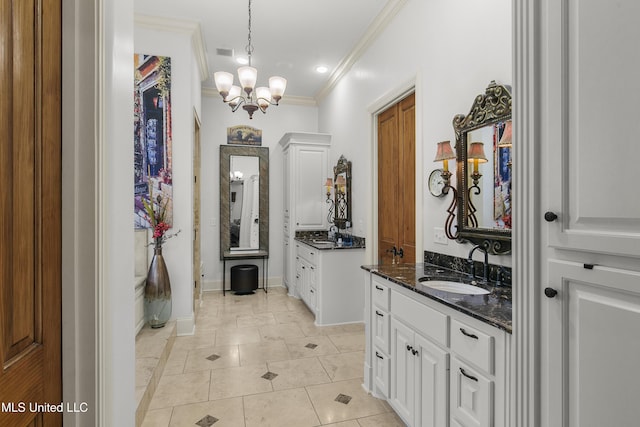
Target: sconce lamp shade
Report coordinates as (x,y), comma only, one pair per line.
(329,184)
(444,153)
(341,182)
(505,141)
(476,153)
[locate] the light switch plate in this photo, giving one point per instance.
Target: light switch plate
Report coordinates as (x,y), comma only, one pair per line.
(439,236)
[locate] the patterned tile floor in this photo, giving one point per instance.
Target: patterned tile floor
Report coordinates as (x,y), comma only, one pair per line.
(259,360)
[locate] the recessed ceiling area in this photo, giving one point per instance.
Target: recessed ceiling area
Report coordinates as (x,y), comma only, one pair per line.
(290,37)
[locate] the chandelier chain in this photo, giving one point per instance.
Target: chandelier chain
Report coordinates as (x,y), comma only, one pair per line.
(249,47)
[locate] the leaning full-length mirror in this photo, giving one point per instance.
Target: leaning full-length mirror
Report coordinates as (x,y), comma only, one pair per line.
(483,144)
(244,199)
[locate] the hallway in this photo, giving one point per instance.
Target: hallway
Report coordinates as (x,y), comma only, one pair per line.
(259,360)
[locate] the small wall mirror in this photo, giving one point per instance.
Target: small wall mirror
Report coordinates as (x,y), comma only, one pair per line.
(244,199)
(483,145)
(342,193)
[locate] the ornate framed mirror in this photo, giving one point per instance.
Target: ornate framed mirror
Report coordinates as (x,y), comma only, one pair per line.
(483,150)
(244,199)
(342,193)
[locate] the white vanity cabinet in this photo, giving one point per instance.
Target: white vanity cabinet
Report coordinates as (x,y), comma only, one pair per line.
(305,170)
(443,367)
(328,281)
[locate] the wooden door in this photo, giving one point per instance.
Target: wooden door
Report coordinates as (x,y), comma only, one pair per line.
(396,183)
(30,211)
(196,215)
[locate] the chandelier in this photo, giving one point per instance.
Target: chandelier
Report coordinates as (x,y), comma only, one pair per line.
(256,98)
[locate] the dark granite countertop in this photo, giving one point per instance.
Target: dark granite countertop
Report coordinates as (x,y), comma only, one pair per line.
(329,245)
(319,239)
(493,308)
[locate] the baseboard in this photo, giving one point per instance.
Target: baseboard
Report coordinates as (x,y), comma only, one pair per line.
(185,326)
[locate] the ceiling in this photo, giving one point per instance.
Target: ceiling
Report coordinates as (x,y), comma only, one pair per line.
(290,37)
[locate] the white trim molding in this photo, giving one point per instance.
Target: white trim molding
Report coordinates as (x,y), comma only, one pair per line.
(526,223)
(378,25)
(181,26)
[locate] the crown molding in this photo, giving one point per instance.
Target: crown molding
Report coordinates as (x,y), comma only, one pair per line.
(304,101)
(378,25)
(180,26)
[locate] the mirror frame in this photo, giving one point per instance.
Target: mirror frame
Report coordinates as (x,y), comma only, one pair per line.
(262,153)
(343,165)
(489,108)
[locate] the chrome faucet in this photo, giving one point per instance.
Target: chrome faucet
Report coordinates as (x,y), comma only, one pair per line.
(485,274)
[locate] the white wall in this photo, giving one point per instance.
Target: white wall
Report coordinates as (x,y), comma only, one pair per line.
(453,49)
(185,98)
(217,117)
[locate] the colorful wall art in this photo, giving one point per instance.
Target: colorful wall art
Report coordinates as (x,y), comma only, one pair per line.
(152,138)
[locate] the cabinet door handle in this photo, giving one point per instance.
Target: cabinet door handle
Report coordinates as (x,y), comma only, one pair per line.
(379,314)
(467,334)
(378,356)
(550,292)
(379,288)
(311,253)
(414,352)
(471,377)
(313,268)
(409,348)
(550,216)
(303,267)
(312,291)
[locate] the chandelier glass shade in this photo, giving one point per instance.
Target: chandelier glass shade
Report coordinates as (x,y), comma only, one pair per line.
(253,98)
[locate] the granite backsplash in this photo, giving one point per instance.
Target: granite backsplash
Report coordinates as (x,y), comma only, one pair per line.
(497,273)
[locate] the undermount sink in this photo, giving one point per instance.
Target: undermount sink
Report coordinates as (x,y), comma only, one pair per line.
(454,287)
(323,242)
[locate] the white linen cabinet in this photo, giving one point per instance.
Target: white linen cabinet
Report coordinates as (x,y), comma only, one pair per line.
(305,170)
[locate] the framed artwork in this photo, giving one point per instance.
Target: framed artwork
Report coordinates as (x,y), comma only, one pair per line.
(152,139)
(244,135)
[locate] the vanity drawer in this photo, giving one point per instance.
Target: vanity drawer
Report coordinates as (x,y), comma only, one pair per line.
(472,396)
(422,318)
(473,345)
(380,294)
(381,322)
(381,366)
(307,253)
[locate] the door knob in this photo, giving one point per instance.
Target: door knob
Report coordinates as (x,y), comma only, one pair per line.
(550,292)
(550,216)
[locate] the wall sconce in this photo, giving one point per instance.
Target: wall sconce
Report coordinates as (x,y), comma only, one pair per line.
(476,156)
(444,154)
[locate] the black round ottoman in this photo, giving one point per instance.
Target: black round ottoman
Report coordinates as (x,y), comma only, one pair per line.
(244,278)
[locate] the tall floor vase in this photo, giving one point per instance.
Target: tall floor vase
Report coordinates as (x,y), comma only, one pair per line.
(157,292)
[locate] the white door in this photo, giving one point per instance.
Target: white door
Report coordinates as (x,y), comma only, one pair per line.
(590,124)
(402,370)
(311,174)
(432,384)
(590,287)
(594,342)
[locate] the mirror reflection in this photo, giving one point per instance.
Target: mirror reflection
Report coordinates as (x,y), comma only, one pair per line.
(244,200)
(489,176)
(484,190)
(244,212)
